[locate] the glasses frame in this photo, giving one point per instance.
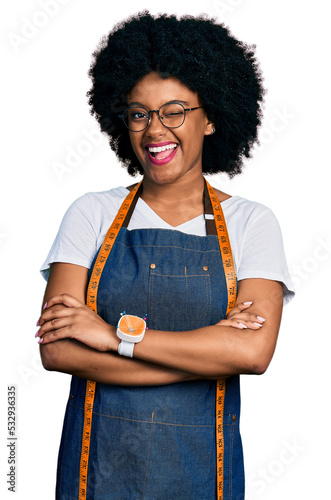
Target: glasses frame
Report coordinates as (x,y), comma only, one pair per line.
(157,111)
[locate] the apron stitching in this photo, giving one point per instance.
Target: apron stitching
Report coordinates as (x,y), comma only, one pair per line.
(148,421)
(151,302)
(209,296)
(186,288)
(154,421)
(149,449)
(170,246)
(181,276)
(185,425)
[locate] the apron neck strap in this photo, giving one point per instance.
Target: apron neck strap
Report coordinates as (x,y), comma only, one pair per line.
(132,206)
(209,213)
(208,210)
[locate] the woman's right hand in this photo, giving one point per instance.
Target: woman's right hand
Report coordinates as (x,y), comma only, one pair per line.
(64,316)
(241,319)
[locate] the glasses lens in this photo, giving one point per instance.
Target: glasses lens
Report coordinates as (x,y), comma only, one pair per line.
(136,119)
(172,115)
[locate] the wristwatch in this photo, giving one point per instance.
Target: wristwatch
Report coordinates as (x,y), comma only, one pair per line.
(131,330)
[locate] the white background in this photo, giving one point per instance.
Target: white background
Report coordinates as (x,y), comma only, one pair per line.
(45,118)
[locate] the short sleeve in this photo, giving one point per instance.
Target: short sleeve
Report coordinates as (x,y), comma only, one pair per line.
(76,240)
(262,254)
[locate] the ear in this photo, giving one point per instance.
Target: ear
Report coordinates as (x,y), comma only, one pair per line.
(210,128)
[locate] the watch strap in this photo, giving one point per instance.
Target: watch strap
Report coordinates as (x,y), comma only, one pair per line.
(126,349)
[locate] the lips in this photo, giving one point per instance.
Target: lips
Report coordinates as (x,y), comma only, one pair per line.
(161,153)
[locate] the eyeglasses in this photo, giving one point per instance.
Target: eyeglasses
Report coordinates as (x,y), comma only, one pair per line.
(171,115)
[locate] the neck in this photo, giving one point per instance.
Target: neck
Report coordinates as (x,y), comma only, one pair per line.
(175,202)
(183,190)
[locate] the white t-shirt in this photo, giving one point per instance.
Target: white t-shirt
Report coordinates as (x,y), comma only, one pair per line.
(254,233)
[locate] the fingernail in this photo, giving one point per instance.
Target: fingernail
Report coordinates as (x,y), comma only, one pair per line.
(37,334)
(249,303)
(37,323)
(45,305)
(40,341)
(257,324)
(242,325)
(261,319)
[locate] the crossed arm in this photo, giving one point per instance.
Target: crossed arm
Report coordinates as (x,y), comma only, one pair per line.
(75,340)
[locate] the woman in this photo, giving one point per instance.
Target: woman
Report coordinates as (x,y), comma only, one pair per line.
(159,418)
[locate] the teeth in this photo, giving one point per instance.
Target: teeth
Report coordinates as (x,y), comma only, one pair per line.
(162,148)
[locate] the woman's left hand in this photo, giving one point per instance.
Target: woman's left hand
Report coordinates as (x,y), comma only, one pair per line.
(241,319)
(64,316)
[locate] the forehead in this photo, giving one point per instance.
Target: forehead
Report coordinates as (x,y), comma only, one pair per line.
(153,91)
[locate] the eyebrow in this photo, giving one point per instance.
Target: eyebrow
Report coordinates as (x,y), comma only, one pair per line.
(168,102)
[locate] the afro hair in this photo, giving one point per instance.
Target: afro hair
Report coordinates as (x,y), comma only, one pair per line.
(200,53)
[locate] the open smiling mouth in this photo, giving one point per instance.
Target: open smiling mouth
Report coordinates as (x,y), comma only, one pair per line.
(159,155)
(162,152)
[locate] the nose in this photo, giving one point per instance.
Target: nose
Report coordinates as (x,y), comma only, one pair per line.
(155,127)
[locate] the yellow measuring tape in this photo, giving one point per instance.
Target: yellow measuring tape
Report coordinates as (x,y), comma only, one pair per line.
(231,283)
(225,247)
(92,290)
(91,301)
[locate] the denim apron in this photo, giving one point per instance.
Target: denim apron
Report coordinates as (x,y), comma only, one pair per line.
(156,442)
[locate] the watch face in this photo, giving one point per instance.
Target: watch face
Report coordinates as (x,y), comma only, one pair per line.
(131,325)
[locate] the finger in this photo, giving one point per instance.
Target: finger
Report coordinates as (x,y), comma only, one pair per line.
(244,305)
(232,323)
(53,325)
(65,299)
(58,310)
(239,308)
(54,335)
(248,317)
(253,325)
(240,324)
